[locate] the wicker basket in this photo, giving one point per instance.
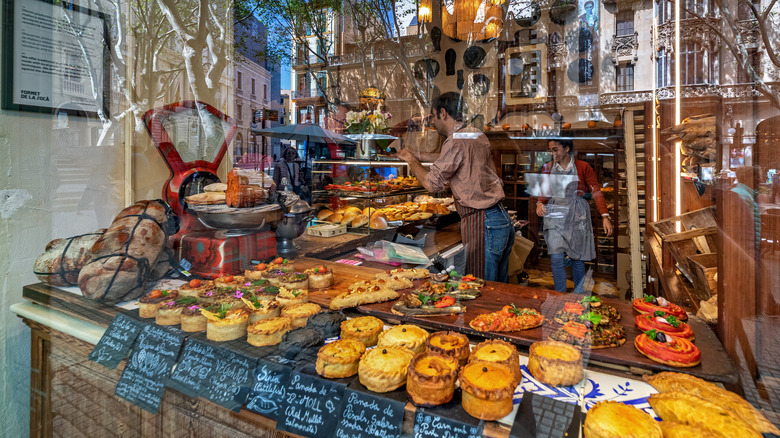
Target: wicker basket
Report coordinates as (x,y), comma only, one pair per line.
(687,235)
(705,267)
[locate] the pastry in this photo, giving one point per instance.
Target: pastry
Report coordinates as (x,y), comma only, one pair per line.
(451,344)
(487,389)
(282,264)
(412,304)
(498,351)
(668,324)
(651,304)
(225,324)
(335,218)
(324,214)
(229,281)
(148,304)
(404,335)
(365,329)
(194,286)
(290,297)
(459,291)
(273,275)
(395,282)
(359,221)
(299,314)
(689,409)
(169,312)
(216,187)
(378,223)
(252,286)
(673,429)
(339,359)
(267,293)
(255,273)
(555,363)
(431,379)
(609,419)
(268,331)
(328,322)
(667,349)
(210,296)
(294,280)
(384,369)
(206,198)
(261,309)
(591,334)
(573,311)
(363,293)
(412,274)
(320,277)
(508,319)
(299,341)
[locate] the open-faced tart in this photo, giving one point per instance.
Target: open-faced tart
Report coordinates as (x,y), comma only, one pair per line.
(261,309)
(267,292)
(339,359)
(668,324)
(169,312)
(290,297)
(299,314)
(320,277)
(192,287)
(591,333)
(573,311)
(273,275)
(282,264)
(610,419)
(268,331)
(253,286)
(226,324)
(365,329)
(451,344)
(487,389)
(555,363)
(651,304)
(294,280)
(328,322)
(256,273)
(498,351)
(431,379)
(231,281)
(300,341)
(148,304)
(508,319)
(211,295)
(384,369)
(667,349)
(192,320)
(404,335)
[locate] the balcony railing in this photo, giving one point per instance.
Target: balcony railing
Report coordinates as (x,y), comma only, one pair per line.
(307,60)
(307,92)
(381,55)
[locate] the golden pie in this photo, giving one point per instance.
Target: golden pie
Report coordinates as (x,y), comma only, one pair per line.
(431,379)
(689,409)
(226,324)
(320,277)
(487,389)
(291,297)
(384,369)
(169,312)
(451,344)
(299,314)
(555,363)
(149,303)
(194,286)
(673,429)
(498,351)
(365,329)
(609,419)
(261,309)
(268,331)
(229,281)
(340,358)
(404,335)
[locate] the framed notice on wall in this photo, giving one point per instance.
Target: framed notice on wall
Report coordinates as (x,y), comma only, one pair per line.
(526,74)
(55,58)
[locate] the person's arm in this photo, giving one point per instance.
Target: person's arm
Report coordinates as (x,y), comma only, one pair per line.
(417,169)
(589,176)
(428,157)
(541,200)
(437,178)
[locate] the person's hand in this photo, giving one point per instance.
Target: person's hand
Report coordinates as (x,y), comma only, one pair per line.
(607,226)
(540,210)
(405,155)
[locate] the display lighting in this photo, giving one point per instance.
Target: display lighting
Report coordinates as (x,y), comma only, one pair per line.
(424,12)
(472,20)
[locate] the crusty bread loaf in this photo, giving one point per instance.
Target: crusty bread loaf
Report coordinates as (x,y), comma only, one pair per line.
(359,220)
(378,223)
(64,258)
(324,214)
(348,216)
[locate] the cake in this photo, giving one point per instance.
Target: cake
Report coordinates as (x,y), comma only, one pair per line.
(431,379)
(261,309)
(320,277)
(194,286)
(498,351)
(290,297)
(148,304)
(328,322)
(268,331)
(169,312)
(487,389)
(384,369)
(404,335)
(339,359)
(609,419)
(299,314)
(299,341)
(451,344)
(555,363)
(226,324)
(365,329)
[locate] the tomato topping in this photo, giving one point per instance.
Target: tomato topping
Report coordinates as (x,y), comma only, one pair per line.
(261,267)
(575,329)
(468,277)
(575,308)
(195,282)
(155,293)
(228,279)
(278,261)
(445,301)
(322,269)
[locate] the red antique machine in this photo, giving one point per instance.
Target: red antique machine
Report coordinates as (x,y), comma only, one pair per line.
(192,138)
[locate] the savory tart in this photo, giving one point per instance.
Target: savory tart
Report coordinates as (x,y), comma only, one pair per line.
(363,293)
(210,295)
(609,419)
(192,320)
(225,324)
(651,304)
(328,322)
(555,363)
(273,275)
(667,349)
(194,286)
(148,304)
(574,311)
(431,379)
(451,344)
(339,359)
(282,264)
(668,324)
(253,286)
(498,351)
(384,369)
(404,335)
(320,277)
(395,282)
(267,293)
(261,309)
(268,331)
(508,319)
(689,409)
(290,297)
(169,312)
(365,329)
(459,291)
(591,334)
(299,341)
(412,274)
(256,273)
(231,281)
(426,305)
(299,314)
(487,389)
(294,280)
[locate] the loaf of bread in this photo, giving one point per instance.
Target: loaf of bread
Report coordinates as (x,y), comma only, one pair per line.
(247,188)
(124,257)
(61,263)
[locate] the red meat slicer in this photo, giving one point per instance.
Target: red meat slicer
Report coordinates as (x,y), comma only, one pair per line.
(192,138)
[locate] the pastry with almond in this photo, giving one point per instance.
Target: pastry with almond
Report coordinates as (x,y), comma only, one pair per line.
(412,274)
(365,292)
(395,282)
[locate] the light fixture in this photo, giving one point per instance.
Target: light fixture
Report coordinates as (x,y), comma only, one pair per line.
(472,20)
(424,12)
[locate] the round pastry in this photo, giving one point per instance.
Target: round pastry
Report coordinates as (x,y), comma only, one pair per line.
(192,320)
(348,216)
(323,215)
(226,324)
(651,304)
(290,297)
(487,389)
(191,288)
(320,277)
(267,293)
(328,322)
(365,329)
(609,419)
(359,220)
(148,304)
(555,363)
(300,313)
(664,323)
(282,264)
(261,309)
(274,276)
(169,312)
(451,344)
(294,280)
(668,349)
(335,218)
(339,359)
(431,379)
(252,286)
(268,331)
(404,335)
(378,223)
(498,351)
(209,296)
(231,281)
(256,273)
(384,369)
(300,341)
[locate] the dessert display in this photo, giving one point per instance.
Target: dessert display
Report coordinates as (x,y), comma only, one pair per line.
(290,297)
(148,304)
(431,379)
(498,351)
(225,324)
(320,277)
(685,383)
(591,304)
(427,305)
(591,333)
(192,320)
(487,389)
(339,359)
(365,329)
(328,322)
(384,369)
(169,312)
(508,319)
(395,282)
(668,349)
(667,324)
(651,304)
(609,419)
(555,363)
(268,331)
(371,186)
(451,344)
(294,280)
(689,409)
(300,313)
(365,292)
(260,309)
(299,341)
(404,335)
(194,286)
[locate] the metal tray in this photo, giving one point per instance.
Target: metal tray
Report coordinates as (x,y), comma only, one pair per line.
(222,217)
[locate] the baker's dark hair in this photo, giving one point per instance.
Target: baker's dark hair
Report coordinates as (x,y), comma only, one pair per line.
(451,102)
(564,142)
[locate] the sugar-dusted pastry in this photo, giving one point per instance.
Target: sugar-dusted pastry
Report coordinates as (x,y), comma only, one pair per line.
(169,312)
(487,389)
(340,358)
(404,335)
(555,363)
(384,369)
(451,344)
(365,329)
(290,297)
(395,282)
(226,324)
(231,281)
(320,277)
(299,314)
(268,331)
(261,309)
(431,379)
(610,419)
(148,304)
(328,322)
(192,287)
(498,351)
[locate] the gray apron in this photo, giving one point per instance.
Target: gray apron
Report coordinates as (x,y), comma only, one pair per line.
(567,224)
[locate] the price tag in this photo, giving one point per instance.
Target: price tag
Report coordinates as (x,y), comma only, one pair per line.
(230,379)
(428,424)
(191,373)
(311,407)
(366,415)
(115,344)
(269,389)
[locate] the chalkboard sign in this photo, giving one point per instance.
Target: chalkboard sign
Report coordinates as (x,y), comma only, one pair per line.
(269,389)
(428,424)
(193,369)
(143,380)
(311,406)
(230,379)
(367,415)
(115,344)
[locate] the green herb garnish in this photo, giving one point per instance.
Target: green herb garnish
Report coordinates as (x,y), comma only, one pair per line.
(225,290)
(651,334)
(296,292)
(592,317)
(649,298)
(659,313)
(186,301)
(590,299)
(258,283)
(672,320)
(164,293)
(223,310)
(425,299)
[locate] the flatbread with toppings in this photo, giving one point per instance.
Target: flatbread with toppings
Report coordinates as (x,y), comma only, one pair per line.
(508,319)
(593,335)
(668,324)
(573,311)
(459,291)
(667,349)
(424,305)
(364,292)
(650,304)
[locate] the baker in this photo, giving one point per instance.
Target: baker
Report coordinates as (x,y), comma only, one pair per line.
(466,165)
